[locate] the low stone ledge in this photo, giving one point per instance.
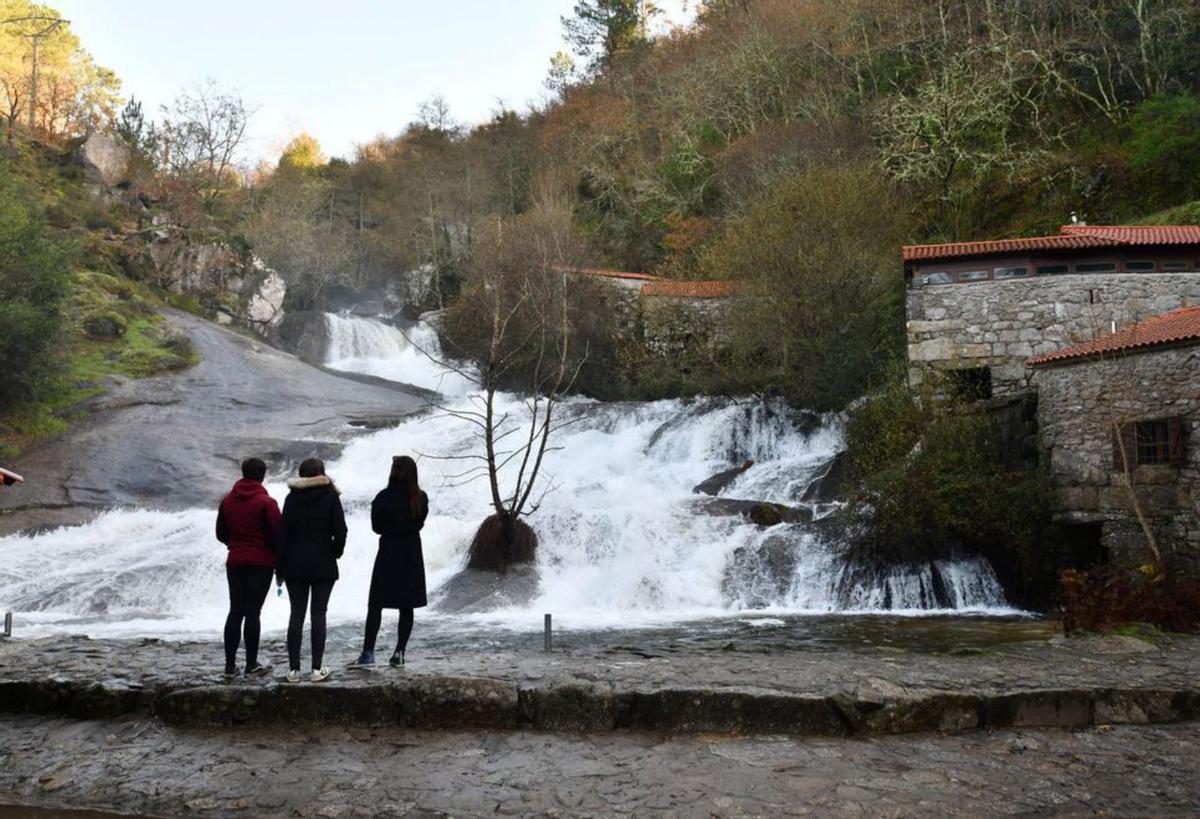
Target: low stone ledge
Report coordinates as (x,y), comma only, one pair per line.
(729,711)
(469,703)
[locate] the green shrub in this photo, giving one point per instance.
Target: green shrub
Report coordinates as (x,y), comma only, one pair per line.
(105,324)
(931,481)
(1164,146)
(34,282)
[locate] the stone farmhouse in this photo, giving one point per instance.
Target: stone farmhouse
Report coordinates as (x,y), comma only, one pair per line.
(1100,325)
(667,315)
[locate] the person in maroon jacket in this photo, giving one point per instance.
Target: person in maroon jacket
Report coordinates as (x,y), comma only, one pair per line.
(248,523)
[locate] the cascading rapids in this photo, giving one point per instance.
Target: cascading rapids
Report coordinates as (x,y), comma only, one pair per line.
(622,542)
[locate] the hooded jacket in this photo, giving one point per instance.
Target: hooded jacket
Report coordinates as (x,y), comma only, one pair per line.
(248,522)
(313,535)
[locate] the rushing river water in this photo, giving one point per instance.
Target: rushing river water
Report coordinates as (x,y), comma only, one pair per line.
(622,544)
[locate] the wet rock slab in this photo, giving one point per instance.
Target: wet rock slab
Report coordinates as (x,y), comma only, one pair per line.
(1038,683)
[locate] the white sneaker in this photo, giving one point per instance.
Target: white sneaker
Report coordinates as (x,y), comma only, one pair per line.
(321,674)
(293,676)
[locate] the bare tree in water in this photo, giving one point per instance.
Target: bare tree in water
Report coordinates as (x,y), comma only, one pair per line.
(516,319)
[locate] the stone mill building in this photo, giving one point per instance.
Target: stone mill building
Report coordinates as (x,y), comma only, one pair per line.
(1101,326)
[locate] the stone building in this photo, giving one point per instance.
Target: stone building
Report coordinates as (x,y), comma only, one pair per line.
(1119,422)
(668,316)
(978,310)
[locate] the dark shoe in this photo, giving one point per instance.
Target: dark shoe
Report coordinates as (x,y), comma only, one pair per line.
(365,660)
(231,672)
(258,670)
(397,658)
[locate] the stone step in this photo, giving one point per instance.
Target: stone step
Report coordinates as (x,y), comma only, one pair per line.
(469,703)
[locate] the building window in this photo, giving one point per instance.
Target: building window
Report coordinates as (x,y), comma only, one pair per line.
(1011,272)
(1053,269)
(1158,441)
(1175,265)
(972,383)
(1096,267)
(972,276)
(1139,267)
(933,278)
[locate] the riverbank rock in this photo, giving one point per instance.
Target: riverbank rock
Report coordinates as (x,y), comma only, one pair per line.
(305,334)
(477,590)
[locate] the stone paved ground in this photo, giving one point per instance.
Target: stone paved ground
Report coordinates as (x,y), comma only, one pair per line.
(1039,663)
(140,766)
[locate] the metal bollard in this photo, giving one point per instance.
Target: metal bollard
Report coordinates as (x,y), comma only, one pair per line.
(547,647)
(8,624)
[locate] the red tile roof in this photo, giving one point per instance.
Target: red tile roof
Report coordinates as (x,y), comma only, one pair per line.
(1139,234)
(610,274)
(690,289)
(1071,237)
(1179,326)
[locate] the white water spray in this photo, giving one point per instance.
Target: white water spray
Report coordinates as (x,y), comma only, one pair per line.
(621,542)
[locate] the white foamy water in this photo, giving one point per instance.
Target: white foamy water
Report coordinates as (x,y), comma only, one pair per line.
(621,541)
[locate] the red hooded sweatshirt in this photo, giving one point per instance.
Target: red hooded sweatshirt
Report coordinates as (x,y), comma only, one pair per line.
(248,523)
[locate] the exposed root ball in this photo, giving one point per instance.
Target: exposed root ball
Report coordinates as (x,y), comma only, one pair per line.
(501,541)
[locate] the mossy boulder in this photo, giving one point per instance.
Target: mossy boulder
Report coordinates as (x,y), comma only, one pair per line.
(105,324)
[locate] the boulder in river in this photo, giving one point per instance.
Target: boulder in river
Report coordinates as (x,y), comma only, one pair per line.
(763,513)
(478,590)
(714,485)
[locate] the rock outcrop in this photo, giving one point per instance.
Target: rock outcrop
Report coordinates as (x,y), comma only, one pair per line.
(105,160)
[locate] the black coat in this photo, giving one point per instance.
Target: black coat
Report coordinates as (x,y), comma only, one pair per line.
(398,579)
(313,534)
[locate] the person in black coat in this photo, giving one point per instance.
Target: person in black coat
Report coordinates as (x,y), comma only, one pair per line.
(311,539)
(398,579)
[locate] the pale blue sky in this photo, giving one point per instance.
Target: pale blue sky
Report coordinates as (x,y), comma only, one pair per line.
(343,71)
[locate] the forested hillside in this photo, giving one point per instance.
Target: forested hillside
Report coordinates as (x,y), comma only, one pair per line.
(790,144)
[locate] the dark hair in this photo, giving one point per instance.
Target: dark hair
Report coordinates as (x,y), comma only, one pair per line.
(254,468)
(312,467)
(404,473)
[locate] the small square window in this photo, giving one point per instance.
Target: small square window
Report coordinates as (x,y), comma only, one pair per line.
(1096,267)
(973,276)
(972,383)
(1053,269)
(1144,443)
(1139,267)
(1011,272)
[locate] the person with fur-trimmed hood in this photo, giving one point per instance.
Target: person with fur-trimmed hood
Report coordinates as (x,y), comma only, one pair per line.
(312,539)
(247,523)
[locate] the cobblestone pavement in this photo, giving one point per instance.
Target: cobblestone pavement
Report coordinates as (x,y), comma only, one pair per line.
(140,766)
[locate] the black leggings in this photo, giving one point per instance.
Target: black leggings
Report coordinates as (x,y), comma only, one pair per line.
(298,597)
(403,628)
(248,587)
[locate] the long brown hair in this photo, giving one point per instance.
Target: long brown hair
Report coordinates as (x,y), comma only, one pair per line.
(404,471)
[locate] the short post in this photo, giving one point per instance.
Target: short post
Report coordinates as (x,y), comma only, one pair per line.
(8,624)
(547,647)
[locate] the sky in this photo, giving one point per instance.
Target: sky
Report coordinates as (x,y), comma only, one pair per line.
(343,71)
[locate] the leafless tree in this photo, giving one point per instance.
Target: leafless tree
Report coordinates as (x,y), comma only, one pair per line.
(515,320)
(203,132)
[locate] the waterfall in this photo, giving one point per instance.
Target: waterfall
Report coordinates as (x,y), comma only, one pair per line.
(377,348)
(622,542)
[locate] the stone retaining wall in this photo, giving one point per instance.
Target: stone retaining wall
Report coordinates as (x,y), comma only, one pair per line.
(1002,324)
(1077,406)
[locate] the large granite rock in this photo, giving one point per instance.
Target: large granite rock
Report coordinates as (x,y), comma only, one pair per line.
(105,160)
(476,590)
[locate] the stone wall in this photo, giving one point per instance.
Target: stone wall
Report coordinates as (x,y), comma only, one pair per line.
(1077,405)
(672,325)
(1000,325)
